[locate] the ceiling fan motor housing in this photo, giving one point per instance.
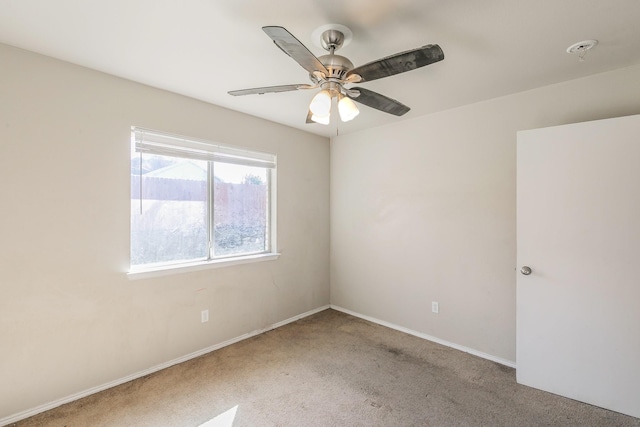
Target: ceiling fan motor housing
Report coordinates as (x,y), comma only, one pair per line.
(337,65)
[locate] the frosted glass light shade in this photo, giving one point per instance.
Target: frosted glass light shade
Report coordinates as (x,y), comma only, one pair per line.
(347,109)
(321,104)
(322,120)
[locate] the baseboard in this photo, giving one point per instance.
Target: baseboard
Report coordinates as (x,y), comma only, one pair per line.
(34,411)
(500,360)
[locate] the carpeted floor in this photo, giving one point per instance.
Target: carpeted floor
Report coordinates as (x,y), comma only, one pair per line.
(330,369)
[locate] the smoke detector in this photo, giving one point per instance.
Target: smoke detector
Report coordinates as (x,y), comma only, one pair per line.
(581,48)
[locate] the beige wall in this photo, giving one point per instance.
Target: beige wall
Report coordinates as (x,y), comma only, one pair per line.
(424,210)
(69,317)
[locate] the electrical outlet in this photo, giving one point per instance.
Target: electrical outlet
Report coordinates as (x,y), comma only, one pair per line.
(204,316)
(435,307)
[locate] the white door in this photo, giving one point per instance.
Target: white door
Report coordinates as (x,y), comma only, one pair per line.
(578,225)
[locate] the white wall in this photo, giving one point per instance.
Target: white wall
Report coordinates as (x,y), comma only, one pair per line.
(424,210)
(69,317)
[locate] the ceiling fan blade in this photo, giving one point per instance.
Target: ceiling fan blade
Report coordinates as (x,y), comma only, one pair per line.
(399,63)
(379,102)
(269,89)
(296,50)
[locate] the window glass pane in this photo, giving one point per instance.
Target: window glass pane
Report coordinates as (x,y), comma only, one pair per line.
(240,209)
(169,200)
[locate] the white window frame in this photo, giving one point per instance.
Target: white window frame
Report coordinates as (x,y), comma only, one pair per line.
(162,143)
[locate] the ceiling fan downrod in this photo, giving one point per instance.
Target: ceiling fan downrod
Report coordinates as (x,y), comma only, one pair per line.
(337,65)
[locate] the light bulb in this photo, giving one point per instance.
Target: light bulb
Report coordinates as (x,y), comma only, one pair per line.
(347,109)
(321,104)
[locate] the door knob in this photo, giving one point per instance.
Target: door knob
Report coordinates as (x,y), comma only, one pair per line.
(525,270)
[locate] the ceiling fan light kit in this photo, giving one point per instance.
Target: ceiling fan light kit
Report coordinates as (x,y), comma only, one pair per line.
(332,73)
(321,104)
(347,108)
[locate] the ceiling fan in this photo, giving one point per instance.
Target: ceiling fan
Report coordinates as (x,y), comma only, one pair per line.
(332,73)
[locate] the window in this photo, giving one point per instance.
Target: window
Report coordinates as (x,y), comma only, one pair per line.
(197,202)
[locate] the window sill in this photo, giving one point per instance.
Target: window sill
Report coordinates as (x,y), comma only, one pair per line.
(146,273)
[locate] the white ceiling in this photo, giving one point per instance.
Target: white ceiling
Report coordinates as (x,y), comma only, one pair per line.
(204,48)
